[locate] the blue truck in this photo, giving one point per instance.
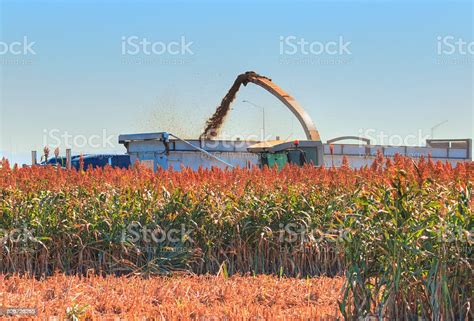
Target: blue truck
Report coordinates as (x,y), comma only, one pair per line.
(93,161)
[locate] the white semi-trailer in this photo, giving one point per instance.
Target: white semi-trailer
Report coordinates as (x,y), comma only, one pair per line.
(165,150)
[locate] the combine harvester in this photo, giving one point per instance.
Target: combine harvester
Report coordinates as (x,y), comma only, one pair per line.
(166,150)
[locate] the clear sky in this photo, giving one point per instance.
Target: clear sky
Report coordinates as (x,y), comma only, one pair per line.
(79,76)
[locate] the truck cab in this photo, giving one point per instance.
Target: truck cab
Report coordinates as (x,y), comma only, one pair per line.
(279,153)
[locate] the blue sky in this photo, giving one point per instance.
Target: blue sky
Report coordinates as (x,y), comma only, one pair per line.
(79,84)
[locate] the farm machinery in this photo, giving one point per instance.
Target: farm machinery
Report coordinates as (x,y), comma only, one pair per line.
(166,150)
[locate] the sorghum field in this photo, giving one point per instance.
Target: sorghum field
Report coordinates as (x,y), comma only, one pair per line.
(392,241)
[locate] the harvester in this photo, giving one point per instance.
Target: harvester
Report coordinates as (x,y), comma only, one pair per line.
(164,149)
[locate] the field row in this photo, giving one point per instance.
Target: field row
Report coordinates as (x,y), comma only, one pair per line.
(174,298)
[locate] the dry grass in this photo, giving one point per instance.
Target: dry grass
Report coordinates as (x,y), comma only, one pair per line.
(172,298)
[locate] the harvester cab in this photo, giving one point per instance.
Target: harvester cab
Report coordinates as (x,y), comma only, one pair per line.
(279,153)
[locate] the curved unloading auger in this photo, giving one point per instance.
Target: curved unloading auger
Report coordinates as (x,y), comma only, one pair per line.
(214,123)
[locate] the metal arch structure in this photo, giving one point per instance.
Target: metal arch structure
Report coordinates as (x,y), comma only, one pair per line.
(366,140)
(301,114)
(215,122)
